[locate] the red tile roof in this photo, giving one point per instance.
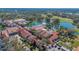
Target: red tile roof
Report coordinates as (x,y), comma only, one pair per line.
(5,34)
(41,31)
(53,37)
(24,33)
(12,30)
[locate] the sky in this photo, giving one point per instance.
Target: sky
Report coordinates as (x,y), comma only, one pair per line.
(39,3)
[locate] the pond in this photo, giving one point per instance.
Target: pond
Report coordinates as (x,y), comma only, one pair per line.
(67,25)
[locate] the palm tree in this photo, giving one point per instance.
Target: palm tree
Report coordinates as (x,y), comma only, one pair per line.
(43,16)
(56,24)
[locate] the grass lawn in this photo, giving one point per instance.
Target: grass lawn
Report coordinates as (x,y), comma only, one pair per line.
(77,31)
(63,19)
(2,26)
(76,43)
(71,46)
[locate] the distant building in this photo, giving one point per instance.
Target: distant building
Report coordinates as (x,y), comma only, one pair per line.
(20,21)
(8,23)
